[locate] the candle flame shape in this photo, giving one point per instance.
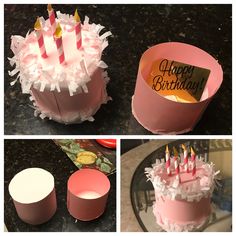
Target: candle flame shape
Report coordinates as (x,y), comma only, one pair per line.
(183,147)
(49,7)
(76,16)
(58,32)
(37,25)
(167,149)
(192,151)
(176,154)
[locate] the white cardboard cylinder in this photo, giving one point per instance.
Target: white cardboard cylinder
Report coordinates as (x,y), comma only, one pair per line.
(34,196)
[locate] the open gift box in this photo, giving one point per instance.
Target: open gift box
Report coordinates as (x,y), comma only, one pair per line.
(160,115)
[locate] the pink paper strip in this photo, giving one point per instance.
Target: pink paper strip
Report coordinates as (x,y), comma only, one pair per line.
(60,50)
(41,44)
(78,35)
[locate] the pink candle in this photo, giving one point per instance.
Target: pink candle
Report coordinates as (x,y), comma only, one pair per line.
(185,158)
(176,163)
(193,159)
(78,30)
(39,34)
(52,18)
(168,161)
(58,39)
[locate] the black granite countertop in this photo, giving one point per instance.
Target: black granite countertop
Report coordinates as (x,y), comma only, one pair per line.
(134,28)
(21,154)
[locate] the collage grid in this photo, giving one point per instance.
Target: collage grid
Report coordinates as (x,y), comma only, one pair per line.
(121,199)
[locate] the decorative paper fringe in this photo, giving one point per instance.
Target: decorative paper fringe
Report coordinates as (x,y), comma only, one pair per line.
(176,191)
(32,74)
(80,117)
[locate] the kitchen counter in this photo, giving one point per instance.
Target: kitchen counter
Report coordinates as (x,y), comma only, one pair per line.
(21,154)
(135,28)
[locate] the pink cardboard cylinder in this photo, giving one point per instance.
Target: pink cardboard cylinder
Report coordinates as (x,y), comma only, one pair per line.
(159,114)
(37,212)
(87,180)
(171,209)
(63,108)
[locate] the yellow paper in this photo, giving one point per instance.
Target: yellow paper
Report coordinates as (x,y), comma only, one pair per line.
(183,81)
(49,7)
(58,32)
(37,25)
(76,16)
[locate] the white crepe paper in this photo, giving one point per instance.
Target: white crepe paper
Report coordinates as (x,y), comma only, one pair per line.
(80,117)
(175,190)
(76,77)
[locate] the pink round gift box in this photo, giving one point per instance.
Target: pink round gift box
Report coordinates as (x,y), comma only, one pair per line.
(35,204)
(87,192)
(161,115)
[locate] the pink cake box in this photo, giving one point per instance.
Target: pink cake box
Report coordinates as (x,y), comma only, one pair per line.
(87,193)
(34,196)
(161,115)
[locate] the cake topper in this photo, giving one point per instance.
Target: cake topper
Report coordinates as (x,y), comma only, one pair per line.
(183,81)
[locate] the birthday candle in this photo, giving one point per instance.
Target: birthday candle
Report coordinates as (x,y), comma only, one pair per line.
(39,34)
(185,158)
(168,161)
(176,163)
(58,39)
(78,30)
(52,18)
(193,159)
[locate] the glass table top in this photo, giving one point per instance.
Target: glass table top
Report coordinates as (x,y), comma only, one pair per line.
(142,192)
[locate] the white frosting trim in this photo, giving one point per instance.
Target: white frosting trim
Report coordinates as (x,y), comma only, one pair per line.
(30,75)
(78,118)
(176,191)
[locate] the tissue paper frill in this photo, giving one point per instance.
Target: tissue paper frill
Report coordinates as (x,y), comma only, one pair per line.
(202,186)
(72,81)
